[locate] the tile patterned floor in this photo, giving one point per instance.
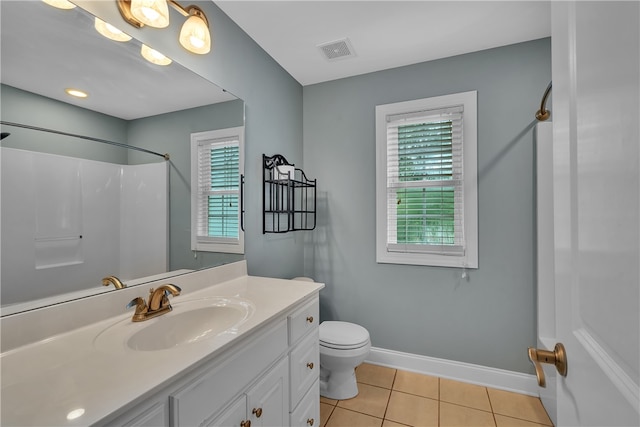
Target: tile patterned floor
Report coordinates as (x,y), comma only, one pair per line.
(394,398)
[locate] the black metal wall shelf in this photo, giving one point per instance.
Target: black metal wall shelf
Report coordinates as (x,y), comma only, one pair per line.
(289,197)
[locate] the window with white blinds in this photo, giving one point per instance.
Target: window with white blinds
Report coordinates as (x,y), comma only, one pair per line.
(217,159)
(426,181)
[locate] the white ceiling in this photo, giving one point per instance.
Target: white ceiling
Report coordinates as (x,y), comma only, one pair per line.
(384,34)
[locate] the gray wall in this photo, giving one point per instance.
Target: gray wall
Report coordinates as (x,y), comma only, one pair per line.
(273,118)
(23,107)
(171,133)
(487,319)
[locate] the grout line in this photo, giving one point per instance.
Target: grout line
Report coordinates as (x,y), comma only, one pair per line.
(395,373)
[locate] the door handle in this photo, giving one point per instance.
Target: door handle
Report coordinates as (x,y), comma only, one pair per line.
(557,357)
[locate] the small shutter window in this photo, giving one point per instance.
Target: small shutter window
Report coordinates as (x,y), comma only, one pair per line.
(216,170)
(218,190)
(425,200)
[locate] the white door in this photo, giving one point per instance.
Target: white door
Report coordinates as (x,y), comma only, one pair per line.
(596,92)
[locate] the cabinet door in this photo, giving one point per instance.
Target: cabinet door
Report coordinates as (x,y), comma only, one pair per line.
(307,414)
(234,416)
(267,401)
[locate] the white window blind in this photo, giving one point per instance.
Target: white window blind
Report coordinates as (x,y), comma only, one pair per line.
(426,181)
(216,169)
(218,189)
(425,198)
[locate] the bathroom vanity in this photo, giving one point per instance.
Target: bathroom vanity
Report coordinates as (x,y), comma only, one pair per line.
(235,350)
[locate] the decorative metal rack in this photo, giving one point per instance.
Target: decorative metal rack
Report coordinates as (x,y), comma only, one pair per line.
(289,197)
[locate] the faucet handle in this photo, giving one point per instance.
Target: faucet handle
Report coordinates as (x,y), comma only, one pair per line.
(141,309)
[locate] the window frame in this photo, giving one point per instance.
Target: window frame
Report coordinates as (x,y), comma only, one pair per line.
(469,258)
(207,244)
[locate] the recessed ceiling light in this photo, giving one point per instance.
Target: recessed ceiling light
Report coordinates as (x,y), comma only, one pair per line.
(76,413)
(76,92)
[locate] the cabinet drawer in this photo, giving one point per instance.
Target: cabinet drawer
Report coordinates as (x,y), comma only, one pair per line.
(307,414)
(303,320)
(201,399)
(304,367)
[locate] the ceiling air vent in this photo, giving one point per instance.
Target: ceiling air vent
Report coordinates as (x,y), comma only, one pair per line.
(338,49)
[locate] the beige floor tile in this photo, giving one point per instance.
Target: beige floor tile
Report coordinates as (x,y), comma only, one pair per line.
(473,396)
(413,383)
(370,400)
(412,410)
(325,413)
(519,406)
(345,418)
(502,421)
(456,415)
(328,401)
(389,423)
(380,376)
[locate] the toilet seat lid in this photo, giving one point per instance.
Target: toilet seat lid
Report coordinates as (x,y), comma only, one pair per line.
(343,335)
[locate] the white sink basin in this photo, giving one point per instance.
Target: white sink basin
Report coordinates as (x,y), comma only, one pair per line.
(189,322)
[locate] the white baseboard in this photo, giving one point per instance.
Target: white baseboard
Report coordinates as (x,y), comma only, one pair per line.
(460,371)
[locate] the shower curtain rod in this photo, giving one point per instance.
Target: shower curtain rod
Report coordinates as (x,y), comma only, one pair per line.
(543,114)
(88,138)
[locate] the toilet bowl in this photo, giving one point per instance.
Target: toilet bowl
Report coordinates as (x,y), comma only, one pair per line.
(343,346)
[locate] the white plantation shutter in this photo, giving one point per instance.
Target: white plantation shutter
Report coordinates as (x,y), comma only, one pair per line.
(426,181)
(216,169)
(425,201)
(218,189)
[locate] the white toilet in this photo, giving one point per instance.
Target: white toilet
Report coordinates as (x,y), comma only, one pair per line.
(343,346)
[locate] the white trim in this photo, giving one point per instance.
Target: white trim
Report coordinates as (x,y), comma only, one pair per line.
(466,372)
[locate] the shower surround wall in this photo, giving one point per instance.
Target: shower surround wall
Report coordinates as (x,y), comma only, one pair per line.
(68,222)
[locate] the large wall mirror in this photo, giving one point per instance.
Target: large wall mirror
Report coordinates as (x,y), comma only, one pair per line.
(131,101)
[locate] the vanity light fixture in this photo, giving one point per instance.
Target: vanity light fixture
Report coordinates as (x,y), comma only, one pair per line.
(60,4)
(154,56)
(194,35)
(76,93)
(110,32)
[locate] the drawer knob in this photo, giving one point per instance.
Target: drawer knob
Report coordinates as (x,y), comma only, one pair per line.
(310,365)
(246,423)
(310,421)
(257,412)
(310,319)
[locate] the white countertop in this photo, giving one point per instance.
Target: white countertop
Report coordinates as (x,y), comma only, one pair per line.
(44,381)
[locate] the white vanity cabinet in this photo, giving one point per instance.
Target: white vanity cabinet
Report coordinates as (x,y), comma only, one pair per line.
(304,365)
(270,378)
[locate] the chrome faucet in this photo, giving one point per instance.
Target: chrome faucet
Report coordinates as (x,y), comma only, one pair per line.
(106,281)
(158,303)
